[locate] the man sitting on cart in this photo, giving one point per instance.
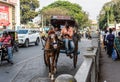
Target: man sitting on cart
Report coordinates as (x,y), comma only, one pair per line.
(55,30)
(67,33)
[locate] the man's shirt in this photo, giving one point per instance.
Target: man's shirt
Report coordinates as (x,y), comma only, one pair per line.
(7,41)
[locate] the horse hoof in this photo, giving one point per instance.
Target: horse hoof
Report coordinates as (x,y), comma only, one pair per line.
(49,75)
(52,77)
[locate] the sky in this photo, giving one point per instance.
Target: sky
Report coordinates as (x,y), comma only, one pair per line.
(92,7)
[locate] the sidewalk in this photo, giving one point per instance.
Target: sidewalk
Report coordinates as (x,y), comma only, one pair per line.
(109,69)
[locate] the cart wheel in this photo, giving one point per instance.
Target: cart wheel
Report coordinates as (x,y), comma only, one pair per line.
(45,59)
(75,55)
(75,58)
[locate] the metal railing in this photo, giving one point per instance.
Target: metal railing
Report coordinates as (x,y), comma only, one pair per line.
(89,70)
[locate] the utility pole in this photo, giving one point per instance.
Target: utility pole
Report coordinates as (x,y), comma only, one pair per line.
(42,21)
(115,28)
(17,15)
(108,18)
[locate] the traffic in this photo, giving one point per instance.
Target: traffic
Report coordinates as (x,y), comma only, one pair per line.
(44,41)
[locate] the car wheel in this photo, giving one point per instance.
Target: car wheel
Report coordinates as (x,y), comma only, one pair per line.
(26,43)
(37,41)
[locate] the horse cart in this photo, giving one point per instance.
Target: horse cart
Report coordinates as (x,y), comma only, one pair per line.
(54,45)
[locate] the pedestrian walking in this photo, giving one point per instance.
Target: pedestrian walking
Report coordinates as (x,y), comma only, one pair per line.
(110,42)
(117,44)
(43,38)
(105,40)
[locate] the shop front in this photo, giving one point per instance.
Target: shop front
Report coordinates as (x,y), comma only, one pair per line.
(7,14)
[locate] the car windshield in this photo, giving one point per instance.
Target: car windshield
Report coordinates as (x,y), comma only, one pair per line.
(22,31)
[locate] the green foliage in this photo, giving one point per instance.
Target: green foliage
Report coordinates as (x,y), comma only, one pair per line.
(66,8)
(27,10)
(47,13)
(116,9)
(106,15)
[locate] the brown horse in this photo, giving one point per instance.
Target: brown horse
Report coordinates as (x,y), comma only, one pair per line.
(51,54)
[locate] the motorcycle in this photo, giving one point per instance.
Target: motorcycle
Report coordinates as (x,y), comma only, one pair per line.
(3,53)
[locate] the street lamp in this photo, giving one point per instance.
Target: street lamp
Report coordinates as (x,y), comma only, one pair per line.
(14,26)
(42,21)
(108,18)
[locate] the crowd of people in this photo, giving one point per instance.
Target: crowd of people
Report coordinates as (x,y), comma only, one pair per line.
(111,42)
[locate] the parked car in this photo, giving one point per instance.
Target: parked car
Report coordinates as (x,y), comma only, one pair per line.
(27,36)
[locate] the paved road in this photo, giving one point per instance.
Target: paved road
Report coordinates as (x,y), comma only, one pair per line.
(29,64)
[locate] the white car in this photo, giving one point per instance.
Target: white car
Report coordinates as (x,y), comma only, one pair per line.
(27,36)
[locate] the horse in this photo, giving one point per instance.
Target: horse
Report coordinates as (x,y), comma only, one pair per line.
(51,54)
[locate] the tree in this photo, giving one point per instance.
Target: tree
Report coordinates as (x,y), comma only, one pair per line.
(27,10)
(116,9)
(66,8)
(47,13)
(106,15)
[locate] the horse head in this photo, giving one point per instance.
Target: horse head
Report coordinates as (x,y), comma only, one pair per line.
(53,41)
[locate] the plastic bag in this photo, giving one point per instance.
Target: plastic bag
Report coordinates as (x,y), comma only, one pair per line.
(114,54)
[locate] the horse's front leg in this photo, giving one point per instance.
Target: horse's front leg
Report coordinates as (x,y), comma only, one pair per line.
(53,66)
(49,65)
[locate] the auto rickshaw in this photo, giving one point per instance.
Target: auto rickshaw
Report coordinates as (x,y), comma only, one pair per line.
(14,36)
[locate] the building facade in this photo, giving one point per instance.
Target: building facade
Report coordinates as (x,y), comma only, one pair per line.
(9,14)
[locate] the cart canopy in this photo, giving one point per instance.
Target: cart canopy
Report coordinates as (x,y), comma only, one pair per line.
(61,20)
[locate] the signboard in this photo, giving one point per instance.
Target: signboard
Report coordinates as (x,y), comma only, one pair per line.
(4,15)
(117,26)
(4,0)
(111,25)
(12,1)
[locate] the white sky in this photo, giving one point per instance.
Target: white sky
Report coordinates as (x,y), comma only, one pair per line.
(92,7)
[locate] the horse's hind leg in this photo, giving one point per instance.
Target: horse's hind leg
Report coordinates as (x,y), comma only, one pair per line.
(57,55)
(56,60)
